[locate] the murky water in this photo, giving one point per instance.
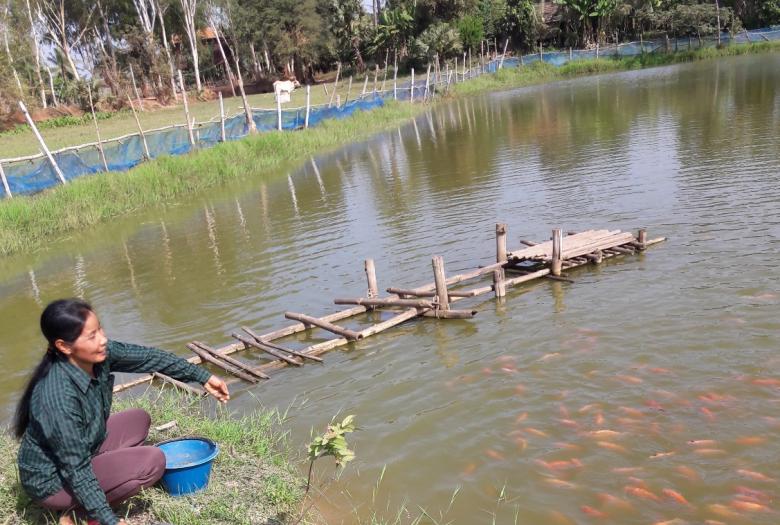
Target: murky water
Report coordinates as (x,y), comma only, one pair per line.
(565,403)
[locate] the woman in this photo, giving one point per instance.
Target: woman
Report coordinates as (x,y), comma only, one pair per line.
(74,455)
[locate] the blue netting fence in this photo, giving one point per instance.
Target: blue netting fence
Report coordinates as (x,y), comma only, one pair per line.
(35,173)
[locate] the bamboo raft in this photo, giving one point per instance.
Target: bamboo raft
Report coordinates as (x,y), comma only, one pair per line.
(534,260)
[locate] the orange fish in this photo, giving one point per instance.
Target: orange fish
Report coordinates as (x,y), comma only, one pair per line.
(605,434)
(588,408)
(633,380)
(753,475)
(749,441)
(563,411)
(555,482)
(535,432)
(569,423)
(659,370)
(521,417)
(612,446)
(590,511)
(688,472)
(751,494)
(713,522)
(675,521)
(707,412)
(494,454)
(748,506)
(521,443)
(566,446)
(469,470)
(662,454)
(560,465)
(675,496)
(598,419)
(520,389)
(639,492)
(722,510)
(709,443)
(632,412)
(627,470)
(655,405)
(766,381)
(608,500)
(709,451)
(487,371)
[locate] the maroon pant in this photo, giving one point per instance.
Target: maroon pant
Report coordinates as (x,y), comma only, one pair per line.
(122,467)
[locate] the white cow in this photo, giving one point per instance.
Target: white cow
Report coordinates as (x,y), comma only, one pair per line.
(283,88)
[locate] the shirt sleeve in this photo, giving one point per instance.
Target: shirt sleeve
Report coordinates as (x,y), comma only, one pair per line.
(125,357)
(63,427)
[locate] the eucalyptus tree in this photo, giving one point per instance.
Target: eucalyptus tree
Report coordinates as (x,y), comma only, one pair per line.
(189,11)
(66,24)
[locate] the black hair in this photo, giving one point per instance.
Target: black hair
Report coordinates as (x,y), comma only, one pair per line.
(61,319)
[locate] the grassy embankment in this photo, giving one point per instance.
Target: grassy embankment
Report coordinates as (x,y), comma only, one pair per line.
(27,223)
(252,480)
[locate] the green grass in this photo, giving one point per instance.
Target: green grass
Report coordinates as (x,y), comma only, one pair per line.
(28,223)
(252,481)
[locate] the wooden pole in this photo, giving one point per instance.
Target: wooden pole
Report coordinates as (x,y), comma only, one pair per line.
(641,239)
(260,346)
(427,83)
(557,262)
(335,85)
(440,281)
(498,283)
(278,112)
(221,364)
(376,76)
(221,118)
(179,384)
(250,122)
(373,288)
(262,341)
(186,109)
(325,325)
(411,90)
(365,86)
(501,230)
(140,129)
(384,74)
(308,106)
(372,303)
(395,82)
(97,130)
(541,51)
(44,149)
(51,86)
(230,360)
(5,182)
(402,292)
(503,54)
(135,89)
(571,54)
(349,90)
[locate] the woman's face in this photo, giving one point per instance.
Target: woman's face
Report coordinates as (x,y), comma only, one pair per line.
(89,348)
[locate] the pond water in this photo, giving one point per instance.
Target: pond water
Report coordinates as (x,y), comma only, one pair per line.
(646,391)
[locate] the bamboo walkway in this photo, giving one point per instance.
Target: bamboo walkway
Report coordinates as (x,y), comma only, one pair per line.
(548,260)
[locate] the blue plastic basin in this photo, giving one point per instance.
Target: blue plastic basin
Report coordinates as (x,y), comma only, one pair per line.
(187,464)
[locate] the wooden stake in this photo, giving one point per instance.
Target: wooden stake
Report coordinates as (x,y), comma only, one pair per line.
(97,130)
(349,90)
(230,360)
(427,83)
(44,148)
(376,75)
(571,54)
(221,118)
(641,239)
(308,106)
(325,325)
(557,262)
(179,384)
(262,341)
(503,54)
(498,283)
(135,89)
(395,82)
(384,74)
(5,182)
(450,314)
(260,346)
(140,129)
(411,91)
(335,85)
(440,281)
(373,288)
(221,364)
(278,113)
(401,292)
(365,86)
(186,110)
(501,230)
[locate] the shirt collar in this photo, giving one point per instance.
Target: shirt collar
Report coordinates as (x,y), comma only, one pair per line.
(77,375)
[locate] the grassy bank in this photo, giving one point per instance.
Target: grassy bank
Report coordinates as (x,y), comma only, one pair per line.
(252,481)
(538,73)
(27,223)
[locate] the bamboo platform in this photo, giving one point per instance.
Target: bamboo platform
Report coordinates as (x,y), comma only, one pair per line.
(534,260)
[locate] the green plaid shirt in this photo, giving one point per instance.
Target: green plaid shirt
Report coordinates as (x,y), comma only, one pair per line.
(68,413)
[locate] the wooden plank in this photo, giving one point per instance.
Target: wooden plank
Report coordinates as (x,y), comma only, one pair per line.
(260,346)
(405,303)
(180,384)
(325,325)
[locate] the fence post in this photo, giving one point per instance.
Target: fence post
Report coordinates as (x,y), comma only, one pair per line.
(349,89)
(571,54)
(335,85)
(557,249)
(308,106)
(135,88)
(411,89)
(365,86)
(97,130)
(395,75)
(221,118)
(597,49)
(140,129)
(279,112)
(5,182)
(186,109)
(427,83)
(503,54)
(42,143)
(376,75)
(541,51)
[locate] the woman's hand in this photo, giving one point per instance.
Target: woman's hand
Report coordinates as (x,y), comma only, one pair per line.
(217,388)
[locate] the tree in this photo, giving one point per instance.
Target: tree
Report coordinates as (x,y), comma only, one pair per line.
(346,19)
(394,31)
(190,9)
(66,28)
(472,31)
(440,39)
